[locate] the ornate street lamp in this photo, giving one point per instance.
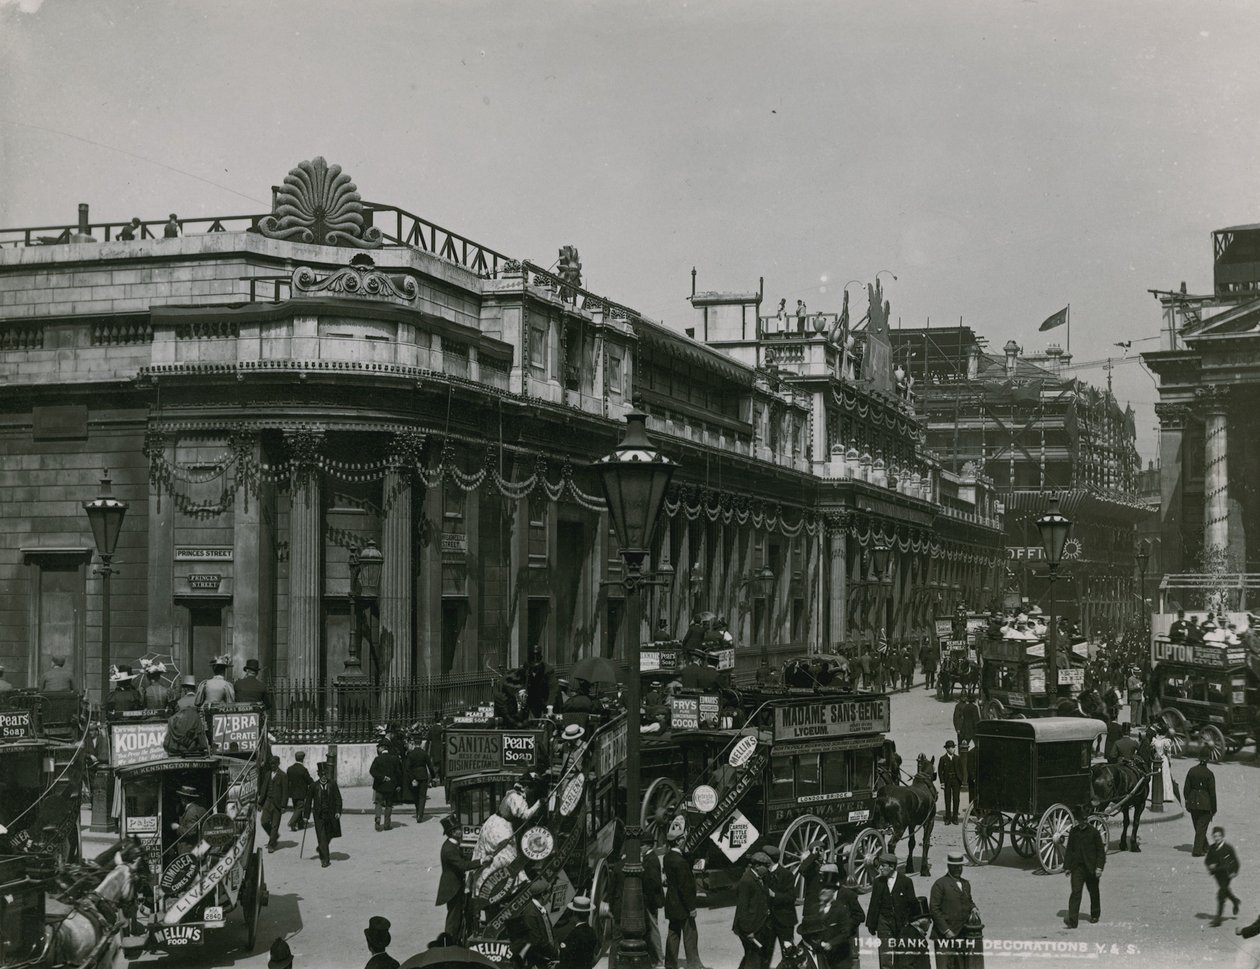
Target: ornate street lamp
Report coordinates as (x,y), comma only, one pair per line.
(634,477)
(762,581)
(880,554)
(1055,527)
(1143,558)
(105,514)
(365,584)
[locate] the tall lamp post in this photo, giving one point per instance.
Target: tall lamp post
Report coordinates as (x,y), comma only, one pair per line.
(762,582)
(879,555)
(105,514)
(1143,558)
(634,476)
(1054,527)
(365,584)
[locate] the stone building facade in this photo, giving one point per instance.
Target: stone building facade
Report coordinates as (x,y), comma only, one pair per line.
(271,394)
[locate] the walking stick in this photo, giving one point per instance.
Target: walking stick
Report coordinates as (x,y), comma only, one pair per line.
(302,847)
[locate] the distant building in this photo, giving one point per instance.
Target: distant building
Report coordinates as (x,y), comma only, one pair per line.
(1208,365)
(1034,430)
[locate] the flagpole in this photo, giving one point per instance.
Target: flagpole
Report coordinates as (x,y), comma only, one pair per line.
(1069,322)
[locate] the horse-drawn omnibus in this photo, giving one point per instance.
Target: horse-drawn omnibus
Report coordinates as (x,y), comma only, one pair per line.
(1013,678)
(1207,692)
(42,764)
(204,864)
(1031,774)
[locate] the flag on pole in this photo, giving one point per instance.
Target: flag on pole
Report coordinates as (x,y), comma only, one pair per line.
(1055,319)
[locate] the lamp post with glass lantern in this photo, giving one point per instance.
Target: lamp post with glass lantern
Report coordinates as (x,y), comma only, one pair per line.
(879,555)
(1054,527)
(634,477)
(1143,558)
(365,588)
(105,514)
(762,581)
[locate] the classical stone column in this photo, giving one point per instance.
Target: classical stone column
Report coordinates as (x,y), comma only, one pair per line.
(396,577)
(1215,470)
(161,624)
(306,543)
(838,597)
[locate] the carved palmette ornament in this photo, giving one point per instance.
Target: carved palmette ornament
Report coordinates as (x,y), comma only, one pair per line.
(318,203)
(356,280)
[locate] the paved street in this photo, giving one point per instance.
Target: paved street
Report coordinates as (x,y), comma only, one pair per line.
(1156,904)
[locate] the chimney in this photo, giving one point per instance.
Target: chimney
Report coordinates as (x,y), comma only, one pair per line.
(1055,353)
(1012,351)
(85,229)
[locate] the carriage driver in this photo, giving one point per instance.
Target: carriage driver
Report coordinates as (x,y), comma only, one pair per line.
(192,810)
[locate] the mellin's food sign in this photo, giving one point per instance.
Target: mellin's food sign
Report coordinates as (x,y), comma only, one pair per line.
(833,718)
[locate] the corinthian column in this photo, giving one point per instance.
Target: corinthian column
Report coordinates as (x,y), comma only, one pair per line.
(305,556)
(1215,473)
(396,585)
(838,594)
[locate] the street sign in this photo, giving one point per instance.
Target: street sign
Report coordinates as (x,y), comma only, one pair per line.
(735,836)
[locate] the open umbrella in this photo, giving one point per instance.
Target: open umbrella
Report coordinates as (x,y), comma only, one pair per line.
(447,957)
(706,617)
(594,669)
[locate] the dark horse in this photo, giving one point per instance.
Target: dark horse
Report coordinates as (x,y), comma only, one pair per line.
(905,809)
(1124,787)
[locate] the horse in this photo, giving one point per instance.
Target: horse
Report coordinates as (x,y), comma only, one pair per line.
(1125,786)
(905,809)
(87,926)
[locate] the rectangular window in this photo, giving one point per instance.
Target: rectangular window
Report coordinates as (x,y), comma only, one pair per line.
(614,373)
(538,349)
(781,779)
(537,530)
(808,776)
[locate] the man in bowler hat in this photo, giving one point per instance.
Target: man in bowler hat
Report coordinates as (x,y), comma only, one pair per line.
(378,939)
(323,806)
(275,798)
(951,774)
(299,782)
(1083,862)
(950,906)
(680,900)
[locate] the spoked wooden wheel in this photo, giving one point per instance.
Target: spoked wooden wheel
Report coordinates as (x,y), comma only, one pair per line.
(864,858)
(982,835)
(806,833)
(1102,824)
(993,710)
(1177,730)
(1024,835)
(1213,741)
(1052,835)
(599,890)
(660,804)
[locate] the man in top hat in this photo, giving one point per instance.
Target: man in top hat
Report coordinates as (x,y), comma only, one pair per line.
(951,906)
(579,947)
(1177,631)
(831,931)
(891,909)
(250,688)
(419,769)
(542,688)
(532,940)
(782,885)
(57,678)
(122,695)
(1083,862)
(451,885)
(274,797)
(281,956)
(216,689)
(680,900)
(753,925)
(298,780)
(386,771)
(323,806)
(187,693)
(378,940)
(192,810)
(950,770)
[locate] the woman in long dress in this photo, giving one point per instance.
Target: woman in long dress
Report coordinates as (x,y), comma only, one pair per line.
(1162,745)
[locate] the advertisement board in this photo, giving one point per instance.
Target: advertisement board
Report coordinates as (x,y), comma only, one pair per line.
(135,743)
(235,732)
(16,725)
(610,750)
(1213,656)
(831,718)
(684,712)
(468,751)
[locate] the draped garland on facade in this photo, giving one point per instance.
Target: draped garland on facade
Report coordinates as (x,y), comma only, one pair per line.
(244,474)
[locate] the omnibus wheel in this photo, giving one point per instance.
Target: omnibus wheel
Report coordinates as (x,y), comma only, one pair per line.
(806,833)
(660,804)
(1052,835)
(982,835)
(1211,739)
(598,919)
(993,710)
(864,858)
(1024,835)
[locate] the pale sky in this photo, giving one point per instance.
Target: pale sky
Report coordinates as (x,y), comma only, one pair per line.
(1002,158)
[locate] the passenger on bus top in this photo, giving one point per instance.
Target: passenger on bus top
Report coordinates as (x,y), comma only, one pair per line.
(1177,631)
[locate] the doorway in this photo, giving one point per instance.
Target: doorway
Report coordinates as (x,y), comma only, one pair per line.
(537,612)
(454,619)
(205,637)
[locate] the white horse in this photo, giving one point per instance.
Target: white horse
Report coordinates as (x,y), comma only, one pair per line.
(91,926)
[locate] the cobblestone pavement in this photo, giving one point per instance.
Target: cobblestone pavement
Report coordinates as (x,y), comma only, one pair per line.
(1156,904)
